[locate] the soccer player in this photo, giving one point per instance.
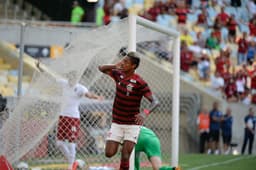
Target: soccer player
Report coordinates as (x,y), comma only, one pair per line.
(126,116)
(69,118)
(149,143)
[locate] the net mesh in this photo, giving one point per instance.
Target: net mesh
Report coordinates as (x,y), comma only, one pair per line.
(30,132)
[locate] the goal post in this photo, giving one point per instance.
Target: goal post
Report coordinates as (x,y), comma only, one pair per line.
(29,134)
(133,20)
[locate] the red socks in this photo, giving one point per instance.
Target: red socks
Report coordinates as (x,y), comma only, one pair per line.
(124,165)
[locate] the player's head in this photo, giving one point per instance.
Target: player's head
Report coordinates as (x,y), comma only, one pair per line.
(122,52)
(134,59)
(71,77)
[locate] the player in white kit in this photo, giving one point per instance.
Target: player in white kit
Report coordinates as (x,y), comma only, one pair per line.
(69,118)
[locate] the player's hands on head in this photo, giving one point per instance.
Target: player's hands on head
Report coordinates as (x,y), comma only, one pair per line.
(119,65)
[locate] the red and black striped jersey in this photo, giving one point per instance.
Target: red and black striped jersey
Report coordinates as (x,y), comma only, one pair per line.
(129,92)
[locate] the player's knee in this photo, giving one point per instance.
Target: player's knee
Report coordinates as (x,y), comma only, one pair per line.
(109,154)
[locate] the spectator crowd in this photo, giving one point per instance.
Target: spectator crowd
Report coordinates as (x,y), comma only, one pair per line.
(218,39)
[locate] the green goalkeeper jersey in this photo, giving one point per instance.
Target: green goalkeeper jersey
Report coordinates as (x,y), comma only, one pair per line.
(148,143)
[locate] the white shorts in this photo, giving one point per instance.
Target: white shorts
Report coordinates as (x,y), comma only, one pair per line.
(120,133)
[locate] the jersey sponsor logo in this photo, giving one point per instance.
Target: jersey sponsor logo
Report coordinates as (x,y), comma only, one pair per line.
(73,129)
(129,87)
(133,81)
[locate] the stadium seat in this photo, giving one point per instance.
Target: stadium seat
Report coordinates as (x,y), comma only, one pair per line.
(194,74)
(5,66)
(12,85)
(1,61)
(6,91)
(196,3)
(136,8)
(243,28)
(3,80)
(150,55)
(243,14)
(26,78)
(205,83)
(148,4)
(193,34)
(4,72)
(215,54)
(192,17)
(13,72)
(206,33)
(224,34)
(173,21)
(13,79)
(234,48)
(230,10)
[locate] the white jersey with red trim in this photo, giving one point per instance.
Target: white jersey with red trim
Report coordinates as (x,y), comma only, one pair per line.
(72,96)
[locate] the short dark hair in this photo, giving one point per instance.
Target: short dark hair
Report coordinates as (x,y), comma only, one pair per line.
(134,59)
(122,52)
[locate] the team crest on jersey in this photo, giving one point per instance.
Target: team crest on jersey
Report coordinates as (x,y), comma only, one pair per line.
(129,87)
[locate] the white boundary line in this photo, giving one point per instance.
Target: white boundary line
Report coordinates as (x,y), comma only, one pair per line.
(222,163)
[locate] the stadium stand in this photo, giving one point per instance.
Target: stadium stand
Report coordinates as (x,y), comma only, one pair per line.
(190,78)
(20,10)
(9,72)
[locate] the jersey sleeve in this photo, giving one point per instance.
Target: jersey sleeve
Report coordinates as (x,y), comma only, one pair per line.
(146,91)
(81,90)
(62,82)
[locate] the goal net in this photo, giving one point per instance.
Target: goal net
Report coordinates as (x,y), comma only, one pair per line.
(29,134)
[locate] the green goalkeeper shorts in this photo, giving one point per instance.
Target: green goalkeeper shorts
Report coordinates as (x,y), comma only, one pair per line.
(151,147)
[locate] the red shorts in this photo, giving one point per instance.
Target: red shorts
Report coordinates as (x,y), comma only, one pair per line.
(68,128)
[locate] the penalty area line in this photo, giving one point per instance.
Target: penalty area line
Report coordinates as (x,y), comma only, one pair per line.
(222,163)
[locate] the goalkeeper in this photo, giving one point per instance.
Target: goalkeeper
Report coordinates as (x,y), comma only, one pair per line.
(148,143)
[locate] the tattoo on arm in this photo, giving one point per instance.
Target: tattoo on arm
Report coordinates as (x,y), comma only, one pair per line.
(154,103)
